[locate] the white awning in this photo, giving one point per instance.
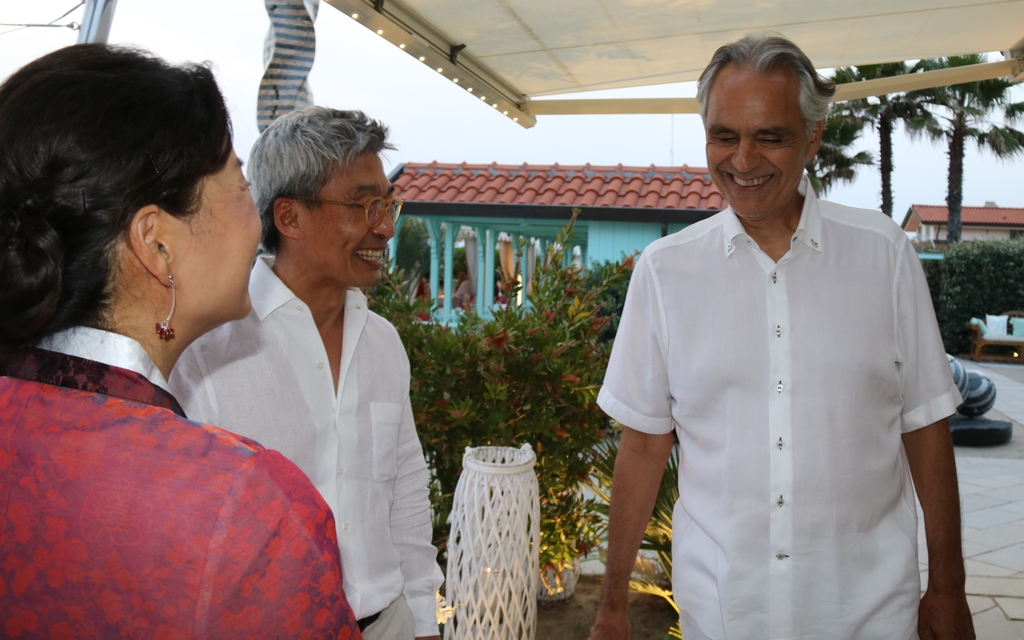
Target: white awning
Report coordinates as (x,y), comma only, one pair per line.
(512,51)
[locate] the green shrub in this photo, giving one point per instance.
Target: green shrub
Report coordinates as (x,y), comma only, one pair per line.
(933,273)
(412,249)
(974,279)
(529,375)
(611,298)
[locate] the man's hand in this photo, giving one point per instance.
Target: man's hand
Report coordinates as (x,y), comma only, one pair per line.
(944,617)
(610,625)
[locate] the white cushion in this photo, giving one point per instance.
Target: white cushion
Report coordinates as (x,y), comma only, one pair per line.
(996,326)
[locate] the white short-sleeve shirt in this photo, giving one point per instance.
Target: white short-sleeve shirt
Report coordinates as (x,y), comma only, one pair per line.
(789,386)
(268,377)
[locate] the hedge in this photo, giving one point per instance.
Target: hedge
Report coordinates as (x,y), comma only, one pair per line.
(975,278)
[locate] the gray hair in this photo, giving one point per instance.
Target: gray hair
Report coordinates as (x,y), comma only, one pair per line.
(299,152)
(767,52)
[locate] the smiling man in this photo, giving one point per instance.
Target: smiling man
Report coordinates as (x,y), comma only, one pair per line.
(790,345)
(312,373)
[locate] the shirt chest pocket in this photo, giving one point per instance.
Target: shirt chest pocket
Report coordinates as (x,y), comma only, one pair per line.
(386,418)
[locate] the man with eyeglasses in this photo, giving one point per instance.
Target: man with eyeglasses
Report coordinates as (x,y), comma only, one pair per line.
(312,373)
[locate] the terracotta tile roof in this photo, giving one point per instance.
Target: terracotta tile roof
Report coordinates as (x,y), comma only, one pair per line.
(650,187)
(987,216)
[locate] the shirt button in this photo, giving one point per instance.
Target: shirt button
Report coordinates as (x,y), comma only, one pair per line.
(779,388)
(319,365)
(780,501)
(729,247)
(815,243)
(775,278)
(300,308)
(778,330)
(781,556)
(344,527)
(341,472)
(780,444)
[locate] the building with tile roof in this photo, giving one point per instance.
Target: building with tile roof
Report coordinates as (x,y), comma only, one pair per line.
(990,222)
(622,209)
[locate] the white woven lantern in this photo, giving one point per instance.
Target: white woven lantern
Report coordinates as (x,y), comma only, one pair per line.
(493,547)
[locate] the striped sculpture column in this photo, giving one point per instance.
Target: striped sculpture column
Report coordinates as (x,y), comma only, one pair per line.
(288,56)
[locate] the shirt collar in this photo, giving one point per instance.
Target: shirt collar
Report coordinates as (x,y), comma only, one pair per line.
(269,293)
(109,348)
(808,230)
(733,229)
(71,372)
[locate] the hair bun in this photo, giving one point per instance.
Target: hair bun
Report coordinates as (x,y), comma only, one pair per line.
(31,259)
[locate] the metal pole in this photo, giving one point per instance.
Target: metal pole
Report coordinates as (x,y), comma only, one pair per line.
(96,21)
(488,276)
(481,268)
(434,230)
(450,231)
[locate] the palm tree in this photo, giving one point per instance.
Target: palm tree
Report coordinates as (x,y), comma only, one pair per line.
(833,164)
(883,113)
(966,109)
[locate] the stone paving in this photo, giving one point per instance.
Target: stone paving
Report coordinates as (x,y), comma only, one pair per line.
(992,502)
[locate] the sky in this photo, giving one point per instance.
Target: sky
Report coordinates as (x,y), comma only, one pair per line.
(431,119)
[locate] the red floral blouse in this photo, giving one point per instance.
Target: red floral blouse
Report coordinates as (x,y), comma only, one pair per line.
(119,518)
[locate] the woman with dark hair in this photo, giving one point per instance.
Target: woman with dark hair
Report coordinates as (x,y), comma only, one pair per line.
(127,231)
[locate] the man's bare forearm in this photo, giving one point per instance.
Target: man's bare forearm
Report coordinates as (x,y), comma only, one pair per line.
(943,613)
(639,466)
(933,468)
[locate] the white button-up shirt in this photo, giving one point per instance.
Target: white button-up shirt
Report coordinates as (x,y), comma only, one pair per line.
(789,386)
(267,377)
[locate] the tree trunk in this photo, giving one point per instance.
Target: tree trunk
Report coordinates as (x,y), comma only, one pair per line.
(885,159)
(955,196)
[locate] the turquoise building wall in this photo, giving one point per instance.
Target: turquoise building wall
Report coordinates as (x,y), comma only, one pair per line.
(612,240)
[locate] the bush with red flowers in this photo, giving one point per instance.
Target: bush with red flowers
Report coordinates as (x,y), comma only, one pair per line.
(529,374)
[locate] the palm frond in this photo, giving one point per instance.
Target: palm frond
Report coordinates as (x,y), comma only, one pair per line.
(653,589)
(833,163)
(1004,142)
(1014,112)
(967,109)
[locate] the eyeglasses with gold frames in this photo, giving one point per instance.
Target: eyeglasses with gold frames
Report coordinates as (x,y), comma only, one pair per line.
(376,208)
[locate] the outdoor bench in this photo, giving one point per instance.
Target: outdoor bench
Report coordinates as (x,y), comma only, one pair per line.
(980,342)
